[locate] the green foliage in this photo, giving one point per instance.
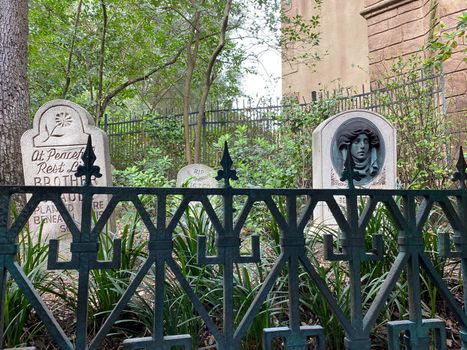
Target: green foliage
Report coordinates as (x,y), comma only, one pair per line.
(260,163)
(152,171)
(107,285)
(301,34)
(166,135)
(281,159)
(142,52)
(444,43)
(422,129)
(21,325)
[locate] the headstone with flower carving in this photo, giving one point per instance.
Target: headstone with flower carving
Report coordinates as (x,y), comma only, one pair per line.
(52,151)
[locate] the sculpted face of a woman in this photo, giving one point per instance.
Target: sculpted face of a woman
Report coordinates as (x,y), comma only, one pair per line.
(361,140)
(360,147)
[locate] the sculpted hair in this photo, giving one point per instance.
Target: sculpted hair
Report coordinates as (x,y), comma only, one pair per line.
(352,130)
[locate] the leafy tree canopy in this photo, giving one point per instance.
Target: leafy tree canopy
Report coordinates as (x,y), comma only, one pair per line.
(113,55)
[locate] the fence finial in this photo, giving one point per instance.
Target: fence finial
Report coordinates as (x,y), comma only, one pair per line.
(460,174)
(349,174)
(88,168)
(226,173)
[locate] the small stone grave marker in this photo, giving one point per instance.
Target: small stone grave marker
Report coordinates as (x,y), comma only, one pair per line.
(52,151)
(371,141)
(197,176)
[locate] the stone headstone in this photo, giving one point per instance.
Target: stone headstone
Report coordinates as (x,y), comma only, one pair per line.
(52,151)
(371,141)
(197,176)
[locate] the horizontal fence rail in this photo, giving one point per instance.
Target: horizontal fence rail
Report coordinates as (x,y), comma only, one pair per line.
(409,210)
(129,135)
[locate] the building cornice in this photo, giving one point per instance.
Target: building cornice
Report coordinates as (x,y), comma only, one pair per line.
(383,6)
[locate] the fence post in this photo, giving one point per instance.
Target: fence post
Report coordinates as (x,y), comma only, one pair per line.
(204,137)
(106,121)
(314,96)
(442,92)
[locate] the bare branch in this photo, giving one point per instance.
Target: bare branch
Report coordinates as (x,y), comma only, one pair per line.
(209,78)
(99,111)
(129,82)
(72,48)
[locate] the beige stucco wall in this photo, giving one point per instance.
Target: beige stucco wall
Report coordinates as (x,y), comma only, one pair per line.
(361,39)
(343,47)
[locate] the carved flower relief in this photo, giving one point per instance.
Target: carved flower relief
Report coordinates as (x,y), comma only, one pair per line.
(61,124)
(63,119)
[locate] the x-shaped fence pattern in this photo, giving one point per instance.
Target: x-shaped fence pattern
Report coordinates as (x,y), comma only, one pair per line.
(409,209)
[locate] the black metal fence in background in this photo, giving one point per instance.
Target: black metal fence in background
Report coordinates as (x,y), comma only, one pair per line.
(130,135)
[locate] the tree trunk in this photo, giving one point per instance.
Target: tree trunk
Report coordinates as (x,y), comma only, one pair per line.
(99,108)
(209,79)
(192,56)
(14,98)
(70,54)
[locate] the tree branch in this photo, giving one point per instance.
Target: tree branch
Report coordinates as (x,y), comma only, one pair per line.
(192,56)
(129,82)
(209,79)
(99,111)
(72,48)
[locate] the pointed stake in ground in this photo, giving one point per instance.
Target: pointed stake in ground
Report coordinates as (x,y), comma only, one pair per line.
(88,169)
(460,174)
(226,173)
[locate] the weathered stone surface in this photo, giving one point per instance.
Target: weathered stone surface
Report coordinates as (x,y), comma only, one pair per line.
(52,151)
(329,154)
(455,83)
(450,21)
(409,6)
(197,176)
(376,56)
(451,7)
(382,16)
(404,48)
(388,38)
(458,128)
(412,30)
(455,63)
(378,28)
(409,16)
(460,103)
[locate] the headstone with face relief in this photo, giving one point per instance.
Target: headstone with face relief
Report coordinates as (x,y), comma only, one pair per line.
(197,176)
(52,151)
(371,141)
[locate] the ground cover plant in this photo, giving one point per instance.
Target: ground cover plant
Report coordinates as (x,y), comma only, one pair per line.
(107,286)
(281,163)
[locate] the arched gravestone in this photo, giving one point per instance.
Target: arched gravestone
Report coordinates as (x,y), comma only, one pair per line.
(371,141)
(197,176)
(52,151)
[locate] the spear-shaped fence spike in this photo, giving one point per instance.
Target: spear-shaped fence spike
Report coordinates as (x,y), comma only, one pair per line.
(349,174)
(226,173)
(460,174)
(88,169)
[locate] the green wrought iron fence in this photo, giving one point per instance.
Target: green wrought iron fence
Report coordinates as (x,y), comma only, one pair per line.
(128,136)
(232,242)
